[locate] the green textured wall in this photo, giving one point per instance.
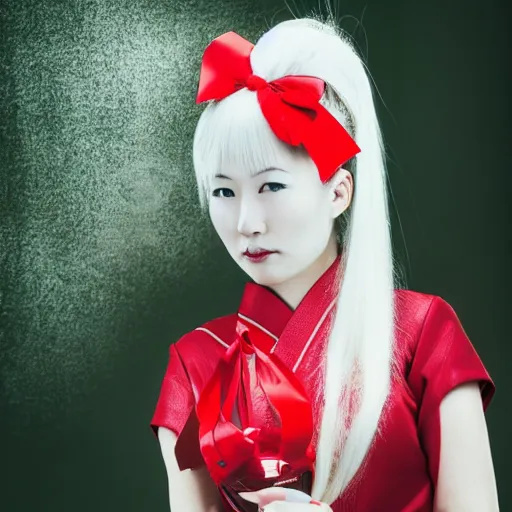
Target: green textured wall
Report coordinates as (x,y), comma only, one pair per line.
(106,260)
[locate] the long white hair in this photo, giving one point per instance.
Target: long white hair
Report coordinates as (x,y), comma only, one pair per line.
(358,358)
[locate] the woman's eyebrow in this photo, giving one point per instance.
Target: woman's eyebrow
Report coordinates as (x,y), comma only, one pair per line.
(253,174)
(267,169)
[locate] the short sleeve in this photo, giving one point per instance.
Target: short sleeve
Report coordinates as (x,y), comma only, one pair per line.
(175,410)
(444,359)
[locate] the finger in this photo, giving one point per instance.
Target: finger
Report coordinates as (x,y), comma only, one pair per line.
(297,496)
(265,496)
(288,506)
(321,506)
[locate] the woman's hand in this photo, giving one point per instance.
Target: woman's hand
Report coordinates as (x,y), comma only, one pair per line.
(280,499)
(288,506)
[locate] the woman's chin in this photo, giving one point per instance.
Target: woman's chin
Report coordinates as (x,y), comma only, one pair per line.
(266,277)
(265,273)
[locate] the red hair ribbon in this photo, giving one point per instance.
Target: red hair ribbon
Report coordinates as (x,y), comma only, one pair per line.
(289,104)
(251,451)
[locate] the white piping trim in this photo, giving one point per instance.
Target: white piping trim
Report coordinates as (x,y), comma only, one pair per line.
(273,336)
(313,334)
(214,336)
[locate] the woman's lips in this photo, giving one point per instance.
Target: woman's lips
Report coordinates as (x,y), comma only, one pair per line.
(258,256)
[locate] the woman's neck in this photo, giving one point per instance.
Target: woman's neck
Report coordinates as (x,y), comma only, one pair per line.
(294,290)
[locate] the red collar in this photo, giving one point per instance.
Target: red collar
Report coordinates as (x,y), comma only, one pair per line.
(292,330)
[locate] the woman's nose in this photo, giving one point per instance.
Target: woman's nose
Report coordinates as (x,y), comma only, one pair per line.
(251,219)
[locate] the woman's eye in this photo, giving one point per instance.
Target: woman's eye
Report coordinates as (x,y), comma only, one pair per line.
(273,187)
(223,192)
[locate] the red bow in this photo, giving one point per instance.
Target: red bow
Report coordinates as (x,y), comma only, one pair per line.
(289,104)
(241,449)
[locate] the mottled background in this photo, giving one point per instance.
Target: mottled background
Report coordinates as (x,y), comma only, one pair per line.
(106,259)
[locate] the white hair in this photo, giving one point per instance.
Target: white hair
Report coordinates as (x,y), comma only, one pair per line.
(358,359)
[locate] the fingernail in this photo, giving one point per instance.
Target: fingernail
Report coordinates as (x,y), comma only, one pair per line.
(315,502)
(250,496)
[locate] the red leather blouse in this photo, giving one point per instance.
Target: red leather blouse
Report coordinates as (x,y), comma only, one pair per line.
(258,426)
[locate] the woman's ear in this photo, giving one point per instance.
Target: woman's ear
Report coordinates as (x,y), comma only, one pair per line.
(341,191)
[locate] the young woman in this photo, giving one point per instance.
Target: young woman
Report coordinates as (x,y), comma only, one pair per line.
(329,379)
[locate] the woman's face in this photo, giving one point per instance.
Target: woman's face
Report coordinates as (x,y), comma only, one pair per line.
(284,209)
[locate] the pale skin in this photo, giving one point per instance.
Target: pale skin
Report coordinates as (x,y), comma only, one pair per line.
(466,478)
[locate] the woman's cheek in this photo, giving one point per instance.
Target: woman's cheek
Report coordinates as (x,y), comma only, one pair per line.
(223,219)
(216,217)
(284,207)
